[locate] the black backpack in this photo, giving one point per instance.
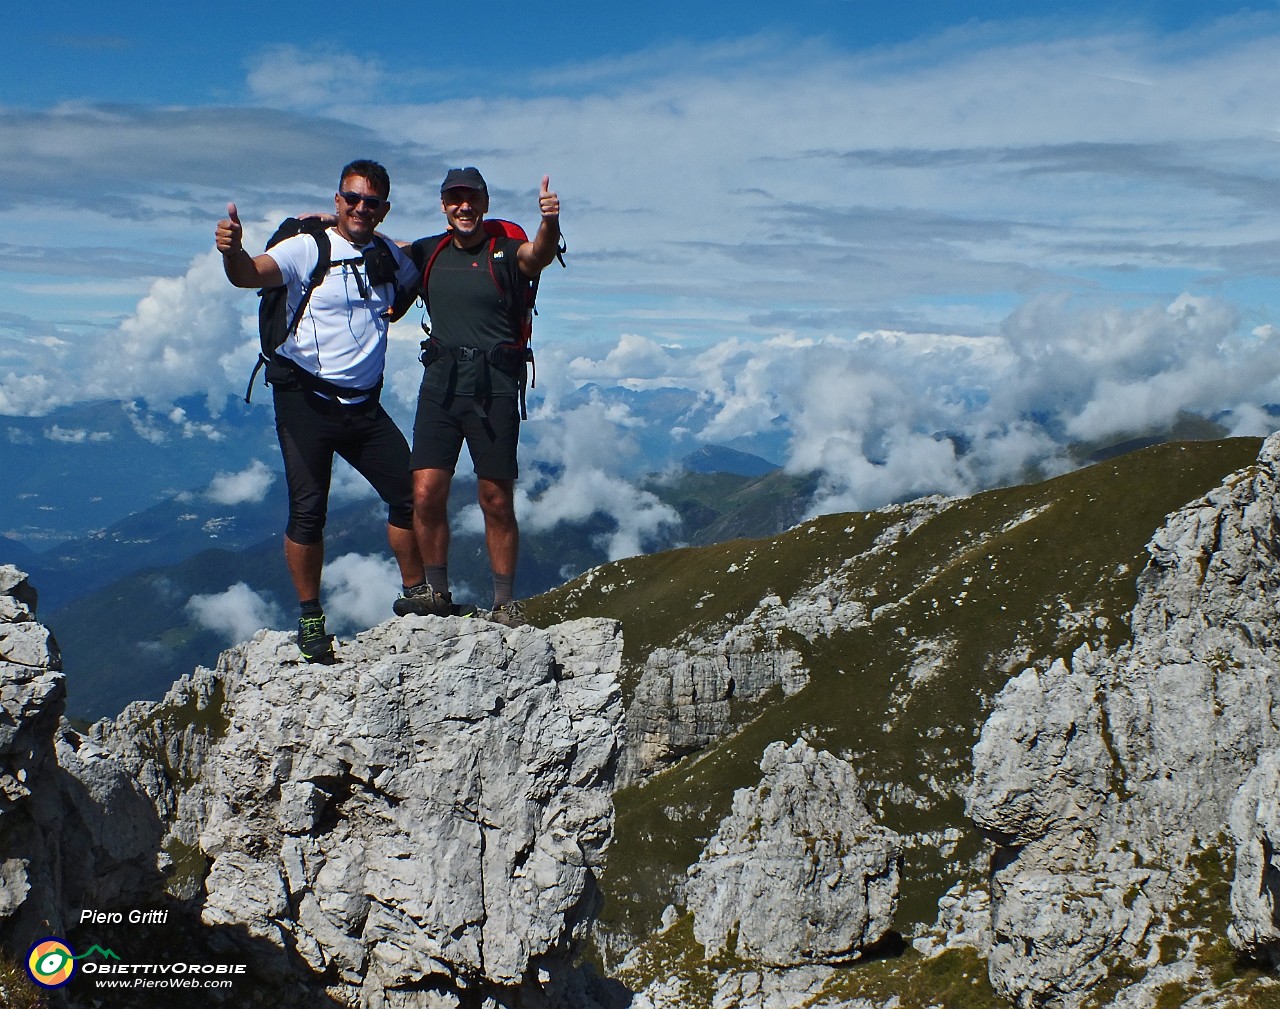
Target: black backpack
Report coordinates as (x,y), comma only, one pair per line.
(274,326)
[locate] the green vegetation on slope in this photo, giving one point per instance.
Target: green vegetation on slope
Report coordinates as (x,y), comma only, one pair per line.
(17,991)
(975,592)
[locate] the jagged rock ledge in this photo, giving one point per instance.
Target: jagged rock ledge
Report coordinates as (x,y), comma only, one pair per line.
(419,825)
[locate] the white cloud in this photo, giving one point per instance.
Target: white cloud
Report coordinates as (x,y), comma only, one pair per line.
(635,357)
(887,415)
(249,486)
(288,77)
(237,614)
(66,435)
(165,349)
(359,591)
(26,395)
(587,453)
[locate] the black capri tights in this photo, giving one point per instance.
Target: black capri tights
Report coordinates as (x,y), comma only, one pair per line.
(312,431)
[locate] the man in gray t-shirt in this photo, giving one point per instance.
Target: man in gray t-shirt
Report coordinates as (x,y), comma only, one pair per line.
(467,394)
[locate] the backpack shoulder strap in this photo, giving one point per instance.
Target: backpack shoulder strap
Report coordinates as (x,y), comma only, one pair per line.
(428,250)
(324,249)
(271,309)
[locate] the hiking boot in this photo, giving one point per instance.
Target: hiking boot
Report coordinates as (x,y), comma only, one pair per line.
(509,614)
(424,602)
(314,644)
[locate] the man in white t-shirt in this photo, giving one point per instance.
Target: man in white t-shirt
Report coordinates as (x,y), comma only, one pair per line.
(326,378)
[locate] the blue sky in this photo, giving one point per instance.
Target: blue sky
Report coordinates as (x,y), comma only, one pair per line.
(133,52)
(913,247)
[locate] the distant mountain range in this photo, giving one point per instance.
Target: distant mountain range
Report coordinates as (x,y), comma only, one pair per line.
(719,459)
(115,498)
(84,468)
(117,601)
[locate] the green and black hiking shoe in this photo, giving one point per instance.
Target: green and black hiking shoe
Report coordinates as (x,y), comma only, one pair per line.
(314,644)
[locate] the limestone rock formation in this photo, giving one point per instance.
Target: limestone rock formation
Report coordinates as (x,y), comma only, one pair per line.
(685,700)
(419,825)
(797,872)
(32,696)
(1255,891)
(75,830)
(427,816)
(1099,779)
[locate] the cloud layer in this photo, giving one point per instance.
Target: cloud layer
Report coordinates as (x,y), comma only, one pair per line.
(924,267)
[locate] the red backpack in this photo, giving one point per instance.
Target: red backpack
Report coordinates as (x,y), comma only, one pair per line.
(517,355)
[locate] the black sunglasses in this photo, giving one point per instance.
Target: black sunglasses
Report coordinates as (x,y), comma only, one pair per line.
(353,200)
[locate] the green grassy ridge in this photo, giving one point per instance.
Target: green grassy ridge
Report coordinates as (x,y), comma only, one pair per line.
(1044,568)
(714,507)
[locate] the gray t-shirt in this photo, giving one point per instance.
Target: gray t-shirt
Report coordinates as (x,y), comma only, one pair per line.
(469,310)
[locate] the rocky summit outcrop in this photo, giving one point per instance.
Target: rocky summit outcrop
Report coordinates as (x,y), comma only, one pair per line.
(32,697)
(75,829)
(1104,780)
(420,825)
(797,873)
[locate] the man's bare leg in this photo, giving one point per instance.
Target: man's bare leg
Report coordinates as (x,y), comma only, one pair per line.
(431,515)
(304,561)
(501,531)
(404,547)
(430,548)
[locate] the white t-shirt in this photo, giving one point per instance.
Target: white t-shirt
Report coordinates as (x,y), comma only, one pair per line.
(342,336)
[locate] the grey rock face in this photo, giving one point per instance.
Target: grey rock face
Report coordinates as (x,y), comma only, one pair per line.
(1255,891)
(797,872)
(684,700)
(420,825)
(1043,785)
(1098,779)
(1041,767)
(32,689)
(32,696)
(429,815)
(75,831)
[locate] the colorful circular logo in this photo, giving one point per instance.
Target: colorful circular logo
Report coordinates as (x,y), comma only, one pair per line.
(51,963)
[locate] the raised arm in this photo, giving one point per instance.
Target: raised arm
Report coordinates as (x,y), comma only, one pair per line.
(536,256)
(242,269)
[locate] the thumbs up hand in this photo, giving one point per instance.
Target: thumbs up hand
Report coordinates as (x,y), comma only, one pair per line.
(229,233)
(548,202)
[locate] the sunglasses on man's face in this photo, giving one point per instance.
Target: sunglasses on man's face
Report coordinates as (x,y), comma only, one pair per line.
(354,199)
